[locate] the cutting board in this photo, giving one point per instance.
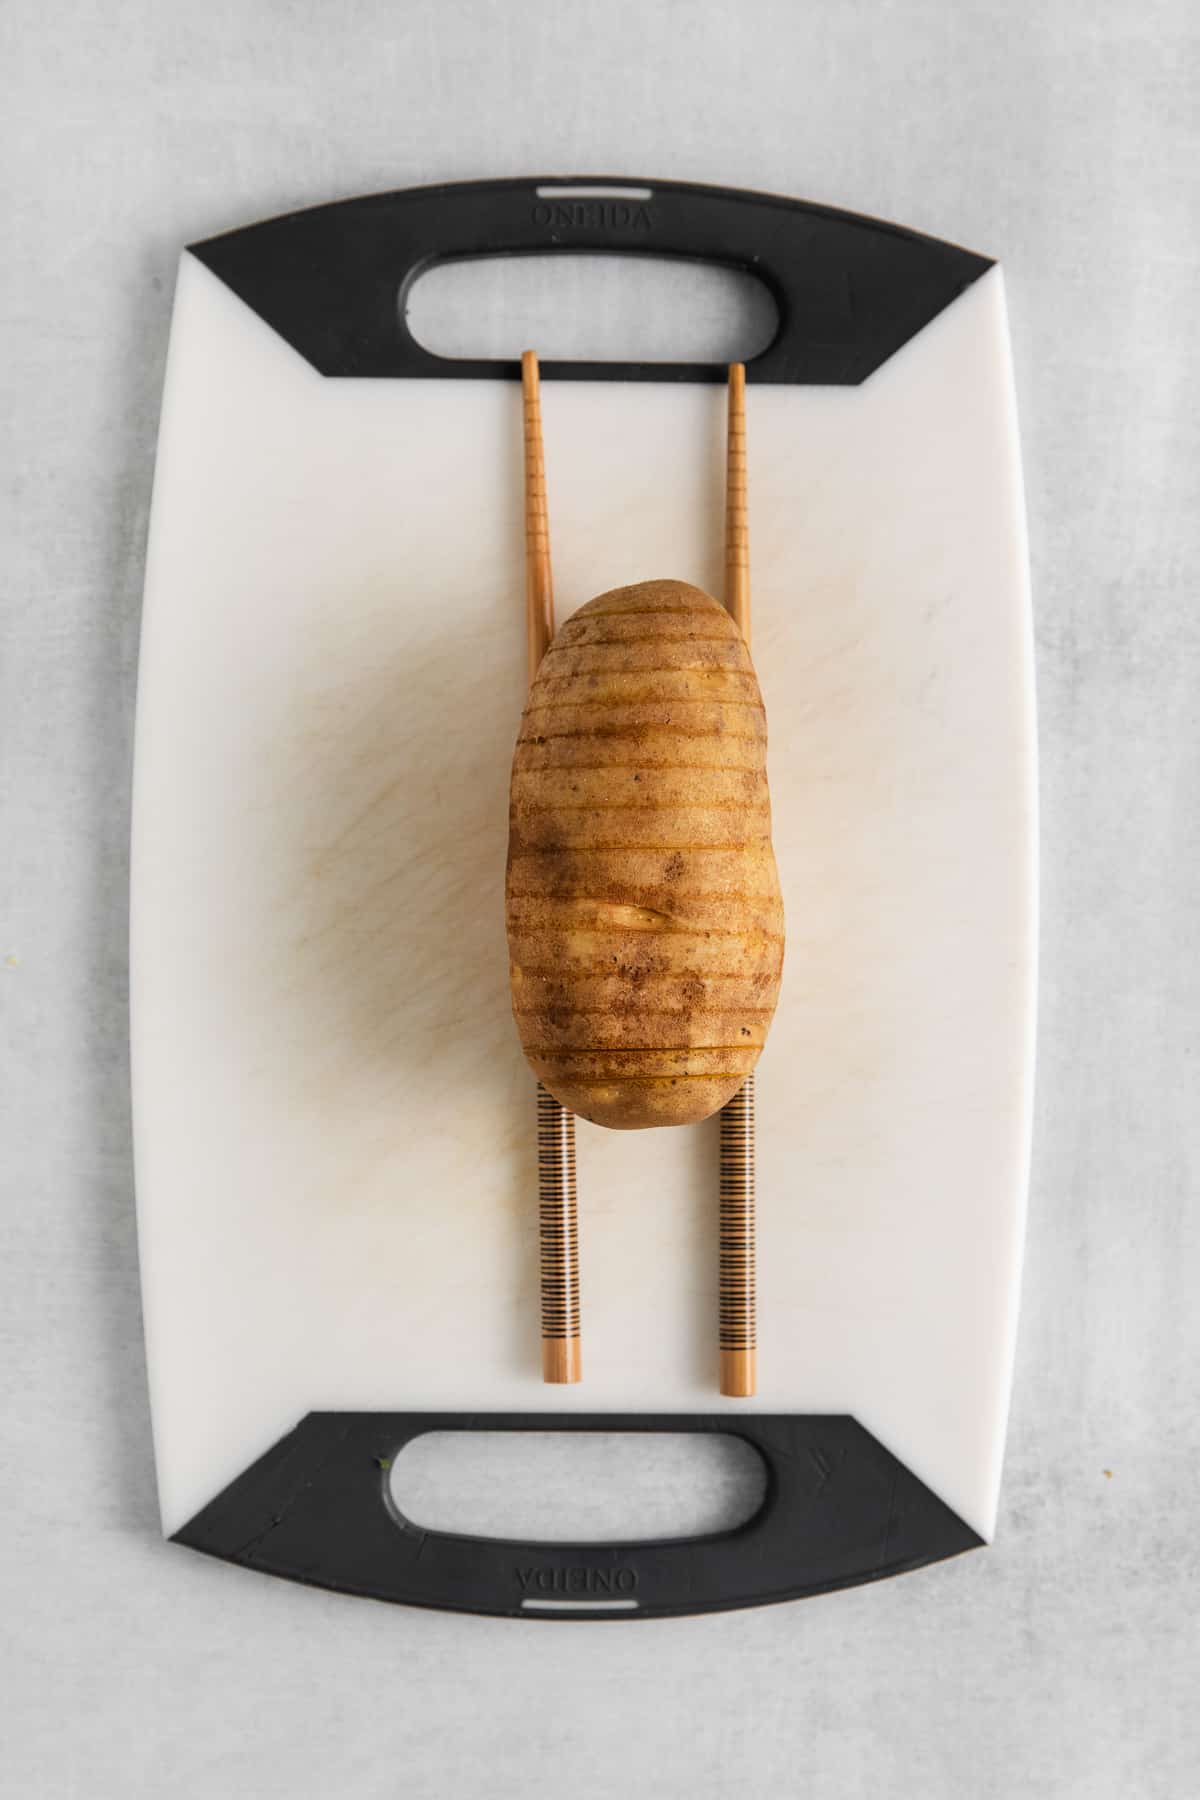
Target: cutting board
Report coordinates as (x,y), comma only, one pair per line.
(334,1126)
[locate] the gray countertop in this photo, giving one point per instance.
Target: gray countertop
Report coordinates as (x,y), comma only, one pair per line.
(1063,1661)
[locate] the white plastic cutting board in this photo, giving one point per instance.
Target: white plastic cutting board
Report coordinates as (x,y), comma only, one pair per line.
(334,1124)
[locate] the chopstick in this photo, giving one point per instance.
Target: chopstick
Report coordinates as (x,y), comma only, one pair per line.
(539,581)
(738,1325)
(558,1222)
(737,514)
(558,1228)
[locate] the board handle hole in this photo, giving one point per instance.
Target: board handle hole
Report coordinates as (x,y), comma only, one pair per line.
(577,1487)
(586,307)
(562,190)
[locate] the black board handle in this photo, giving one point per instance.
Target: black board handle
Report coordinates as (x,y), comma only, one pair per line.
(331,280)
(839,1510)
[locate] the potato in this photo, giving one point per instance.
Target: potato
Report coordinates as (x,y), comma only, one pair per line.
(645,925)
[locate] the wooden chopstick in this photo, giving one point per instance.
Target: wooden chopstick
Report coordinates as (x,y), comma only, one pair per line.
(539,580)
(739,1369)
(738,1324)
(737,512)
(558,1222)
(558,1228)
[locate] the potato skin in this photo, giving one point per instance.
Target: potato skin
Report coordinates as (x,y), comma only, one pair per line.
(645,925)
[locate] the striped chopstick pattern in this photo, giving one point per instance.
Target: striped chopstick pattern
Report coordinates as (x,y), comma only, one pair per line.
(559,1234)
(737,1313)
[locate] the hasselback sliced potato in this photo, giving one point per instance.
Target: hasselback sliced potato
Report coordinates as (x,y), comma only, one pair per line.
(645,925)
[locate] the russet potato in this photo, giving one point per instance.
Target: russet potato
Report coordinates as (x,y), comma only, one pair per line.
(645,925)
